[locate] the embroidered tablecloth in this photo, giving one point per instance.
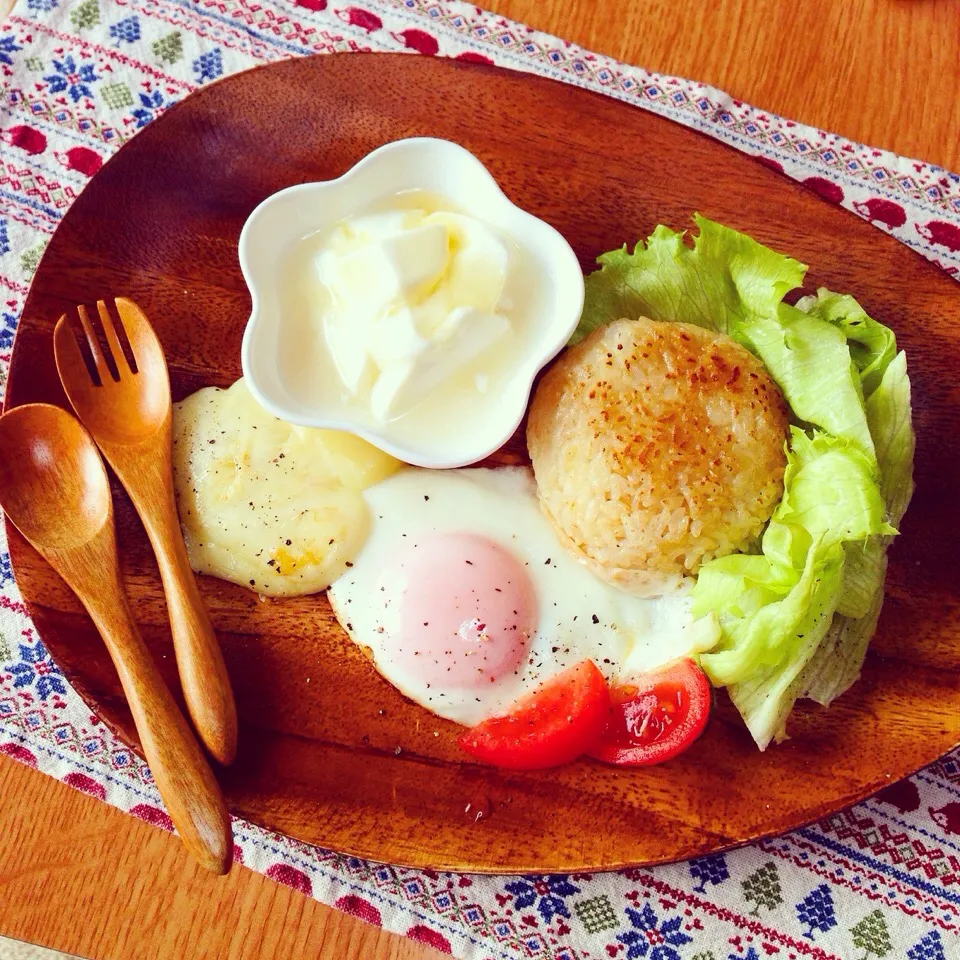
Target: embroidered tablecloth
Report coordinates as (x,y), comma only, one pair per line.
(80,77)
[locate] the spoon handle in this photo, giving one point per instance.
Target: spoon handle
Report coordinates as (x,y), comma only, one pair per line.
(180,770)
(203,674)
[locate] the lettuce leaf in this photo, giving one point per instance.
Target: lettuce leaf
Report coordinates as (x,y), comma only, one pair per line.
(872,345)
(810,361)
(864,568)
(837,664)
(723,281)
(796,618)
(752,646)
(891,424)
(830,490)
(764,602)
(767,697)
(829,667)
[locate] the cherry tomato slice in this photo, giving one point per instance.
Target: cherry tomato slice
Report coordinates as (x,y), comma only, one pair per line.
(554,724)
(655,716)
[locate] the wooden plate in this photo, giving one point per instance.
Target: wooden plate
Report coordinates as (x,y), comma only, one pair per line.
(329,752)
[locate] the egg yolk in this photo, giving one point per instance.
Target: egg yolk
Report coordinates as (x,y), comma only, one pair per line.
(466,610)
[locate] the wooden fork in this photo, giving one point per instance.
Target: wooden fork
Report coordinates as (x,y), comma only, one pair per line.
(128,413)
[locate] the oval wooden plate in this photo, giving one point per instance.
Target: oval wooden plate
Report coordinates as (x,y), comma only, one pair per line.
(329,752)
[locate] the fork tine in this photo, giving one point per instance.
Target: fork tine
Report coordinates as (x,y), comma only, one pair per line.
(94,343)
(131,326)
(113,341)
(71,362)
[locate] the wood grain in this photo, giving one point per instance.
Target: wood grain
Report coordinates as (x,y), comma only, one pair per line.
(55,903)
(101,884)
(330,753)
(881,72)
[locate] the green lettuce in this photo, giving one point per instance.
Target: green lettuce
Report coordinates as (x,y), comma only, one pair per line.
(767,696)
(835,666)
(830,499)
(796,617)
(837,663)
(872,345)
(723,282)
(889,416)
(810,360)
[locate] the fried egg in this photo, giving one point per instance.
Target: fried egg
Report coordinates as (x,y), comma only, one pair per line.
(465,599)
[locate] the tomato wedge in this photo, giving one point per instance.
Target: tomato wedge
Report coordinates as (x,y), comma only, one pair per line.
(655,716)
(552,725)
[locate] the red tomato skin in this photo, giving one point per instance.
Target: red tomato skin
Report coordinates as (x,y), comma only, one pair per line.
(552,725)
(683,674)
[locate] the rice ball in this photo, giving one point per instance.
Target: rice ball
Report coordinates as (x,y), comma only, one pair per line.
(657,447)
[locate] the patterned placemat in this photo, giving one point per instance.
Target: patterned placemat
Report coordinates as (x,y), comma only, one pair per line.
(80,77)
(18,950)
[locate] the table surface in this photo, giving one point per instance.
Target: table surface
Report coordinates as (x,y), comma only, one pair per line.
(80,876)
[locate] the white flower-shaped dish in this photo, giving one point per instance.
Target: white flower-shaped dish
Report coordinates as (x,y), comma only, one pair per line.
(439,435)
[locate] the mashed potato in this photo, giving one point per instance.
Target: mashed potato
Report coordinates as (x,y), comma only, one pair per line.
(657,447)
(266,504)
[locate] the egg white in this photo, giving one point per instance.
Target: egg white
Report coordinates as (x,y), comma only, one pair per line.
(580,616)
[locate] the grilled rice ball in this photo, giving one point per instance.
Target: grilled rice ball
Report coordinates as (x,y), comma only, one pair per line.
(657,447)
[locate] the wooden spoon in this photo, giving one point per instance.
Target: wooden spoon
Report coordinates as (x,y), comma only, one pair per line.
(54,489)
(127,410)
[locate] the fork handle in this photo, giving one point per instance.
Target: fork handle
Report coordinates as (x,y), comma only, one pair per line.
(203,674)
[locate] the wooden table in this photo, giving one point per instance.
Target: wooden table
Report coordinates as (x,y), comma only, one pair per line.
(78,875)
